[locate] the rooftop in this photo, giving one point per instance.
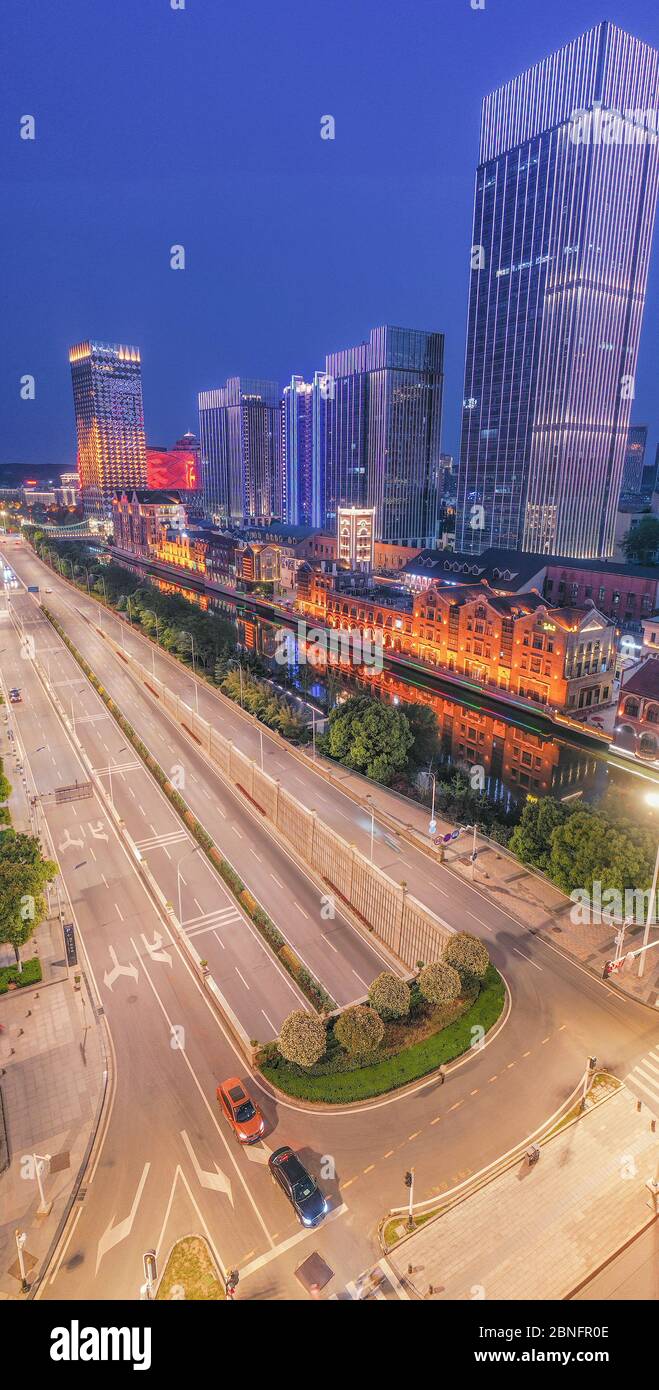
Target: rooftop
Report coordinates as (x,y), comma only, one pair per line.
(644,680)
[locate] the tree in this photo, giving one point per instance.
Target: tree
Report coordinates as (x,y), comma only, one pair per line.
(425,732)
(531,840)
(23,876)
(642,541)
(439,983)
(302,1038)
(469,956)
(369,737)
(588,849)
(389,995)
(359,1029)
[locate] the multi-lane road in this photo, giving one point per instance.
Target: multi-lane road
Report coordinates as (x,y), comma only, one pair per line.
(163,1112)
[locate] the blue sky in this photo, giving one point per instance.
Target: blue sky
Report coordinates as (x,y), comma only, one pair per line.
(201,127)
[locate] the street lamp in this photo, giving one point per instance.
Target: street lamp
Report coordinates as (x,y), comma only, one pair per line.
(44,1206)
(154,615)
(652,799)
(372,810)
(185,633)
(21,1237)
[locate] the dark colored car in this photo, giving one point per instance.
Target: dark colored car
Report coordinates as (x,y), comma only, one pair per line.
(300,1187)
(15,697)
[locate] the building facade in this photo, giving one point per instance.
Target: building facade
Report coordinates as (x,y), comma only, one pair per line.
(107,398)
(240,431)
(140,515)
(634,462)
(380,440)
(564,208)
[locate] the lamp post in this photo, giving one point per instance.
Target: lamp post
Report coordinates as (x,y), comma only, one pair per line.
(185,633)
(154,615)
(20,1238)
(372,810)
(44,1206)
(653,800)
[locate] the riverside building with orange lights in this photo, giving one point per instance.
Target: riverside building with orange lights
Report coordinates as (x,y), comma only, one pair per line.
(107,398)
(562,658)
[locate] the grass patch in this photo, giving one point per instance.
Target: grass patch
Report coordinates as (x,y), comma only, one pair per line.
(29,975)
(191,1273)
(408,1065)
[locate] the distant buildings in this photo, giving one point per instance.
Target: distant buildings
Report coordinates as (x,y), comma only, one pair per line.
(380,439)
(564,208)
(107,398)
(139,515)
(240,429)
(634,460)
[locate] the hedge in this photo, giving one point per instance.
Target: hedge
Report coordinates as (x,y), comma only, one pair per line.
(406,1066)
(307,982)
(29,975)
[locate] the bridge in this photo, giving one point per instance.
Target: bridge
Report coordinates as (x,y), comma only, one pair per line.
(79,530)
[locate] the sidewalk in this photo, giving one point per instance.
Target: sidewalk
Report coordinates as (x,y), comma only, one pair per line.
(524,894)
(538,1233)
(51,1090)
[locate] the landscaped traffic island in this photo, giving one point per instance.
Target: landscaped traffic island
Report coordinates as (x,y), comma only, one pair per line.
(406,1031)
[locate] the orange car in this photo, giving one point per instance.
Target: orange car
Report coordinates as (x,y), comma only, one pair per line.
(239,1109)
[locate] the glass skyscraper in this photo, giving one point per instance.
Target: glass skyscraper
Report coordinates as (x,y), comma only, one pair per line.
(240,432)
(564,208)
(380,436)
(297,452)
(107,399)
(634,461)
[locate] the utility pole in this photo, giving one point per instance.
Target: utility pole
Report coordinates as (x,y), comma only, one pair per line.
(652,913)
(591,1063)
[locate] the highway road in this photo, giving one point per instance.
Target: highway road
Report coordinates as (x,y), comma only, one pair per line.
(494,1099)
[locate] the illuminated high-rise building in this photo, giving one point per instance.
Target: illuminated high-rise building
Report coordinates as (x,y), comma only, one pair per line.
(240,429)
(107,398)
(381,432)
(564,207)
(297,453)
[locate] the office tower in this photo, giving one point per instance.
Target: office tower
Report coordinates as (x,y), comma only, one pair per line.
(564,208)
(381,437)
(634,459)
(107,398)
(177,467)
(649,478)
(297,452)
(240,429)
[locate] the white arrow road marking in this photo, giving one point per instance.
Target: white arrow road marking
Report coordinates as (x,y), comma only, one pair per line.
(111,975)
(114,1234)
(97,830)
(258,1153)
(217,1181)
(153,947)
(68,842)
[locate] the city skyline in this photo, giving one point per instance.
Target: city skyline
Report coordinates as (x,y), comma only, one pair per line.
(135,301)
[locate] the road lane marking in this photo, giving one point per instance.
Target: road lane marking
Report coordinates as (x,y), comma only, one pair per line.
(241,977)
(301,909)
(279,885)
(528,958)
(112,1235)
(291,1242)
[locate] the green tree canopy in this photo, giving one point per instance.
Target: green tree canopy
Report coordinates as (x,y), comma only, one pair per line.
(302,1038)
(389,995)
(641,542)
(370,737)
(425,731)
(469,956)
(532,838)
(359,1029)
(587,848)
(439,983)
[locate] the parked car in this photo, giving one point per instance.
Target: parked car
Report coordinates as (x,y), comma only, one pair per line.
(15,697)
(239,1109)
(300,1187)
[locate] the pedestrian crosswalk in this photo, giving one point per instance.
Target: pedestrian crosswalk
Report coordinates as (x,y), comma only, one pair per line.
(171,837)
(643,1079)
(210,921)
(381,1282)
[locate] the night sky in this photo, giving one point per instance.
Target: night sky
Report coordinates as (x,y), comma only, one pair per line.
(202,127)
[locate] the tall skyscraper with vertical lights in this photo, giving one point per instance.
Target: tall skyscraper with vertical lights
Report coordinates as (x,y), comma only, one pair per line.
(297,452)
(240,432)
(107,398)
(564,208)
(381,432)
